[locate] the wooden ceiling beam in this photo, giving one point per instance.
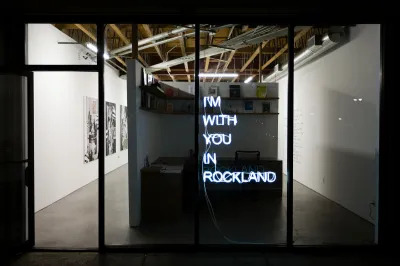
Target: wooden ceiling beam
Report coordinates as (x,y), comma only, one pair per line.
(120,34)
(207,64)
(143,61)
(119,59)
(210,41)
(94,38)
(220,57)
(253,56)
(283,50)
(227,63)
(87,32)
(149,33)
(280,52)
(183,49)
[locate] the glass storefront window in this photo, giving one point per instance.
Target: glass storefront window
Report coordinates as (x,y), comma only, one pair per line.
(62,44)
(242,186)
(150,175)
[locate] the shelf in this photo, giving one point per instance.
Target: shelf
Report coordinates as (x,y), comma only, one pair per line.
(164,113)
(154,90)
(159,93)
(179,98)
(186,113)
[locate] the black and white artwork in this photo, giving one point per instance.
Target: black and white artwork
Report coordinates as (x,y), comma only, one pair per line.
(91,128)
(124,127)
(111,127)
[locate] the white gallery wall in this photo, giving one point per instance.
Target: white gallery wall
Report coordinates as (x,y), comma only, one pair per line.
(336,137)
(59,116)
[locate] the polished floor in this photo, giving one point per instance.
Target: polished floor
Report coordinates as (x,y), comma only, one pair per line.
(72,222)
(202,259)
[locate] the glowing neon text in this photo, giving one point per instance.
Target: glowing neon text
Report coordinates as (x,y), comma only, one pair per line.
(207,157)
(238,177)
(217,139)
(225,139)
(219,120)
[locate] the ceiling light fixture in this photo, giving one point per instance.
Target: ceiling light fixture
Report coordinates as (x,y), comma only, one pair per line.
(218,75)
(248,79)
(93,48)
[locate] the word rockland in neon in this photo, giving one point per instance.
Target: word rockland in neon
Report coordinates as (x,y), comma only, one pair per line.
(238,177)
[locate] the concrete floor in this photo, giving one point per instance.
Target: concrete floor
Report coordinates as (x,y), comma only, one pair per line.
(197,259)
(72,221)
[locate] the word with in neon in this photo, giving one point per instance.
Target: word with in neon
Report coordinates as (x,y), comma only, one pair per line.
(219,120)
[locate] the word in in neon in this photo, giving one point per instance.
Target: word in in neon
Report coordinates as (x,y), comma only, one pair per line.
(238,177)
(208,157)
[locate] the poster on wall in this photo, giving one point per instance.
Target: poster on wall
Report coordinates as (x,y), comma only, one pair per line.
(91,128)
(124,127)
(111,126)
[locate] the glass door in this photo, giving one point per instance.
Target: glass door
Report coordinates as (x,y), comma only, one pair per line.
(16,161)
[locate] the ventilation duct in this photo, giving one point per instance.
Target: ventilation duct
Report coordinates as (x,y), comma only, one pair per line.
(316,47)
(252,37)
(152,39)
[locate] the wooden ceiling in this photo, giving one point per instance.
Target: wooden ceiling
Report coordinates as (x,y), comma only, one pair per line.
(244,61)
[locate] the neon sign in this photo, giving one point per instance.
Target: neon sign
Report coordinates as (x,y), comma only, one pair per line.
(225,139)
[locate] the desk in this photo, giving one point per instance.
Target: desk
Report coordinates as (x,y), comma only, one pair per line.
(164,193)
(161,189)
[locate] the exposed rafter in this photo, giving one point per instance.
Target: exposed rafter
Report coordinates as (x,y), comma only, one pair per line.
(149,34)
(210,41)
(94,38)
(86,31)
(158,43)
(119,33)
(126,41)
(251,58)
(229,58)
(283,50)
(297,37)
(227,63)
(207,64)
(183,49)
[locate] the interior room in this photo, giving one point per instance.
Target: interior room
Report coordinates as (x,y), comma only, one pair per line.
(155,187)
